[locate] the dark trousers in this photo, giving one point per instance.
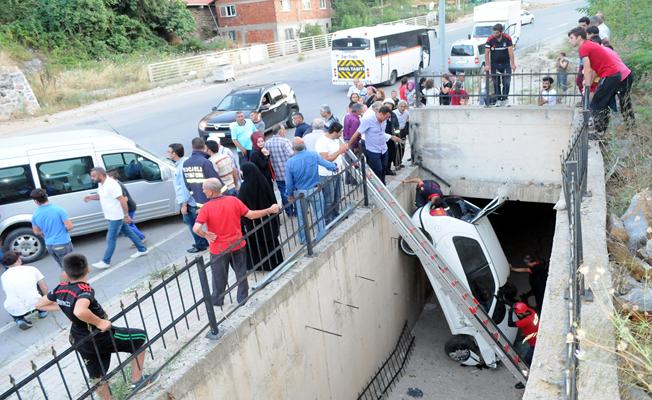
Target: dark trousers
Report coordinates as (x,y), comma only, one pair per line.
(501,80)
(378,163)
(391,155)
(607,89)
(220,268)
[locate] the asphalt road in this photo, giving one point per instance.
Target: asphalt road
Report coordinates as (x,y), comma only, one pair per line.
(157,121)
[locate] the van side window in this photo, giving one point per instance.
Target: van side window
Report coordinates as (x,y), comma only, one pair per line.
(132,167)
(17,183)
(476,268)
(66,176)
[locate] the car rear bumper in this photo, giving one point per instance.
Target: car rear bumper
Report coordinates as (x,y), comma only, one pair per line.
(223,135)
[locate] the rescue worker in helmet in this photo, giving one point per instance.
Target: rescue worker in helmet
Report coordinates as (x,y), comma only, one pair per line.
(528,325)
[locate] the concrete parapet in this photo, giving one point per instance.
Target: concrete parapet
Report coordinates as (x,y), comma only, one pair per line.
(478,149)
(358,288)
(598,378)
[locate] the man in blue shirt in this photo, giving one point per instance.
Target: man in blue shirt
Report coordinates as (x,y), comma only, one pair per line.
(375,139)
(241,131)
(301,128)
(52,222)
(187,204)
(302,177)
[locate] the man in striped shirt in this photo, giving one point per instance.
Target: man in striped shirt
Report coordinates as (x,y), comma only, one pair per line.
(280,150)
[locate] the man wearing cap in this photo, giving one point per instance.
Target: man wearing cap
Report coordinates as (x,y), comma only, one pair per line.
(528,325)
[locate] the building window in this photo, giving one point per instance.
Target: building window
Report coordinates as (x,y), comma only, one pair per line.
(322,4)
(306,4)
(285,5)
(227,11)
(232,35)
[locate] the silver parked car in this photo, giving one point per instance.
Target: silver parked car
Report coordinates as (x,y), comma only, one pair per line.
(60,163)
(466,56)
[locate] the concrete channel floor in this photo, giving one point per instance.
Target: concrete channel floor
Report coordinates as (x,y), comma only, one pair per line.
(431,371)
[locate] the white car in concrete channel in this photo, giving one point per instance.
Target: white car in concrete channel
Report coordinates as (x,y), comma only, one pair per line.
(466,241)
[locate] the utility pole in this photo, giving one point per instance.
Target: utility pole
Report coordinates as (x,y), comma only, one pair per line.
(442,35)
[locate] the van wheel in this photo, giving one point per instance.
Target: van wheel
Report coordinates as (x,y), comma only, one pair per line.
(392,78)
(460,348)
(26,243)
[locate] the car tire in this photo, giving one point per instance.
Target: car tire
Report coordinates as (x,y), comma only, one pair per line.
(26,243)
(288,122)
(459,348)
(405,248)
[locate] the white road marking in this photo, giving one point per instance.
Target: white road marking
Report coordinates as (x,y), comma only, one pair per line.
(116,267)
(558,26)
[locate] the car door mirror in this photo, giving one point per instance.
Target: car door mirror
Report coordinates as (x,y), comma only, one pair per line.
(214,108)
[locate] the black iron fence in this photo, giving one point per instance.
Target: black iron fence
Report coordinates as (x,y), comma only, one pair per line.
(490,89)
(181,306)
(574,164)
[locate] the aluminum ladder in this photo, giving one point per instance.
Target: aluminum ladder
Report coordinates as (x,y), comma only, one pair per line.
(438,271)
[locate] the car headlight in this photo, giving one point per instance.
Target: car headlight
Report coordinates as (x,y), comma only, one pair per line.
(202,125)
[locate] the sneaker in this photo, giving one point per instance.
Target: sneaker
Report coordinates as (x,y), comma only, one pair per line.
(144,382)
(42,314)
(499,103)
(519,385)
(101,265)
(193,250)
(23,324)
(140,253)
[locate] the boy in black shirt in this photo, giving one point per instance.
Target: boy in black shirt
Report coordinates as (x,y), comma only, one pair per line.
(76,299)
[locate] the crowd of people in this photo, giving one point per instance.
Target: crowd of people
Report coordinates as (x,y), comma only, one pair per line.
(223,195)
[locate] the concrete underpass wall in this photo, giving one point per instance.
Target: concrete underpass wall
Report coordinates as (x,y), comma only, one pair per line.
(478,149)
(598,378)
(269,351)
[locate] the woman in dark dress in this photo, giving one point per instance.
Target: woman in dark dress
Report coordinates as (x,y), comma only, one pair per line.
(260,156)
(255,192)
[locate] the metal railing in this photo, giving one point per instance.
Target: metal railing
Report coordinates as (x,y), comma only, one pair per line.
(486,89)
(180,308)
(201,65)
(574,181)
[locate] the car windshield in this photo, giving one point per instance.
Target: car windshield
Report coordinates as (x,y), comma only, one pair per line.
(239,102)
(482,31)
(462,50)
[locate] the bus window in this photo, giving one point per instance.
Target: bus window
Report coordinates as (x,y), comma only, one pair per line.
(351,44)
(382,47)
(424,41)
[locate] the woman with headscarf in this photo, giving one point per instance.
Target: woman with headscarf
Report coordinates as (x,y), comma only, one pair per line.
(255,191)
(260,156)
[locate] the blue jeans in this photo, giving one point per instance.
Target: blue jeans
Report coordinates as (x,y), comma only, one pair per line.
(189,220)
(316,202)
(284,198)
(116,227)
(378,163)
(59,251)
(332,193)
(133,226)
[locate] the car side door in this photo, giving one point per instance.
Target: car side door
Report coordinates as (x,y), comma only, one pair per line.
(279,106)
(146,181)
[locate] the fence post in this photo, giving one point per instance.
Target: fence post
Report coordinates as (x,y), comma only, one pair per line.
(150,74)
(298,46)
(306,225)
(363,169)
(313,43)
(487,93)
(213,331)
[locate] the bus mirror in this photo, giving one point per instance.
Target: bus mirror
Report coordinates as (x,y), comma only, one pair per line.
(469,36)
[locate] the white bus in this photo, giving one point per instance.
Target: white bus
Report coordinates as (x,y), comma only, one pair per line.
(379,54)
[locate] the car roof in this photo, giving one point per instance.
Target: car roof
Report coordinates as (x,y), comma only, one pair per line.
(20,145)
(472,42)
(256,87)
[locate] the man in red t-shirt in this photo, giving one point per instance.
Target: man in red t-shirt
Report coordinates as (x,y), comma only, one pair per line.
(221,215)
(615,78)
(528,324)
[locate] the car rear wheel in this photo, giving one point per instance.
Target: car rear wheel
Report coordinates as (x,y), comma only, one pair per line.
(288,122)
(26,243)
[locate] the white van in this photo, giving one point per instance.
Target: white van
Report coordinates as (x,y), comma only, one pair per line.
(465,239)
(467,56)
(60,163)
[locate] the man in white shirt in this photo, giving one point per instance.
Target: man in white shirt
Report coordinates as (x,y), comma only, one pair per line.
(310,139)
(548,96)
(357,87)
(331,149)
(21,284)
(115,210)
(605,32)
